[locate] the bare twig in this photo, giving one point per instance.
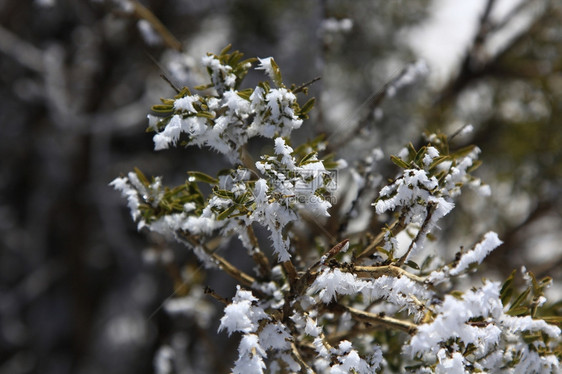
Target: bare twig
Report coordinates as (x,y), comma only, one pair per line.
(163,76)
(209,291)
(379,319)
(305,368)
(304,85)
(372,102)
(228,268)
(388,270)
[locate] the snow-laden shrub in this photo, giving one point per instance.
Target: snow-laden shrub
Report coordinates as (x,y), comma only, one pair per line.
(357,305)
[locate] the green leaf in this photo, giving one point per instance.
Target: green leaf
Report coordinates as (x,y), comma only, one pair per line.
(507,288)
(419,156)
(141,177)
(225,50)
(203,87)
(202,177)
(399,162)
(205,114)
(276,74)
(245,94)
(425,264)
(553,320)
(306,158)
(228,211)
(247,61)
(225,194)
(457,294)
(411,151)
(476,164)
(438,160)
(413,265)
(307,107)
(184,92)
(463,152)
(162,108)
(520,299)
(233,58)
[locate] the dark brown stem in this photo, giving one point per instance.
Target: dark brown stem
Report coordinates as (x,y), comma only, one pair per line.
(216,296)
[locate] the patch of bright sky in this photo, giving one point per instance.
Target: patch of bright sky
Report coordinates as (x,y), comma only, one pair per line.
(443,39)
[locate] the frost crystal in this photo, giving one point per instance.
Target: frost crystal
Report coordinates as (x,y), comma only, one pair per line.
(329,315)
(221,75)
(265,64)
(350,361)
(275,336)
(230,119)
(474,256)
(477,255)
(251,356)
(478,320)
(242,315)
(287,188)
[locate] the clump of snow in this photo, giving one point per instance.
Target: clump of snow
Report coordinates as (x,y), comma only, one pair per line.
(163,360)
(148,33)
(334,25)
(193,306)
(477,255)
(242,315)
(275,336)
(474,256)
(221,75)
(251,355)
(350,361)
(496,336)
(265,65)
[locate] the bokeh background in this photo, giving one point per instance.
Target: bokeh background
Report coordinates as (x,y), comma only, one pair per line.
(81,291)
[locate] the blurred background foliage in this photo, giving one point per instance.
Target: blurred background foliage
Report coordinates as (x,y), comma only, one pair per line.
(81,289)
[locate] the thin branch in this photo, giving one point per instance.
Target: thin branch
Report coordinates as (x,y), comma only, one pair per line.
(388,270)
(470,69)
(310,275)
(291,272)
(423,231)
(141,12)
(304,85)
(296,354)
(228,268)
(329,255)
(233,271)
(163,76)
(257,255)
(395,226)
(209,291)
(379,319)
(373,102)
